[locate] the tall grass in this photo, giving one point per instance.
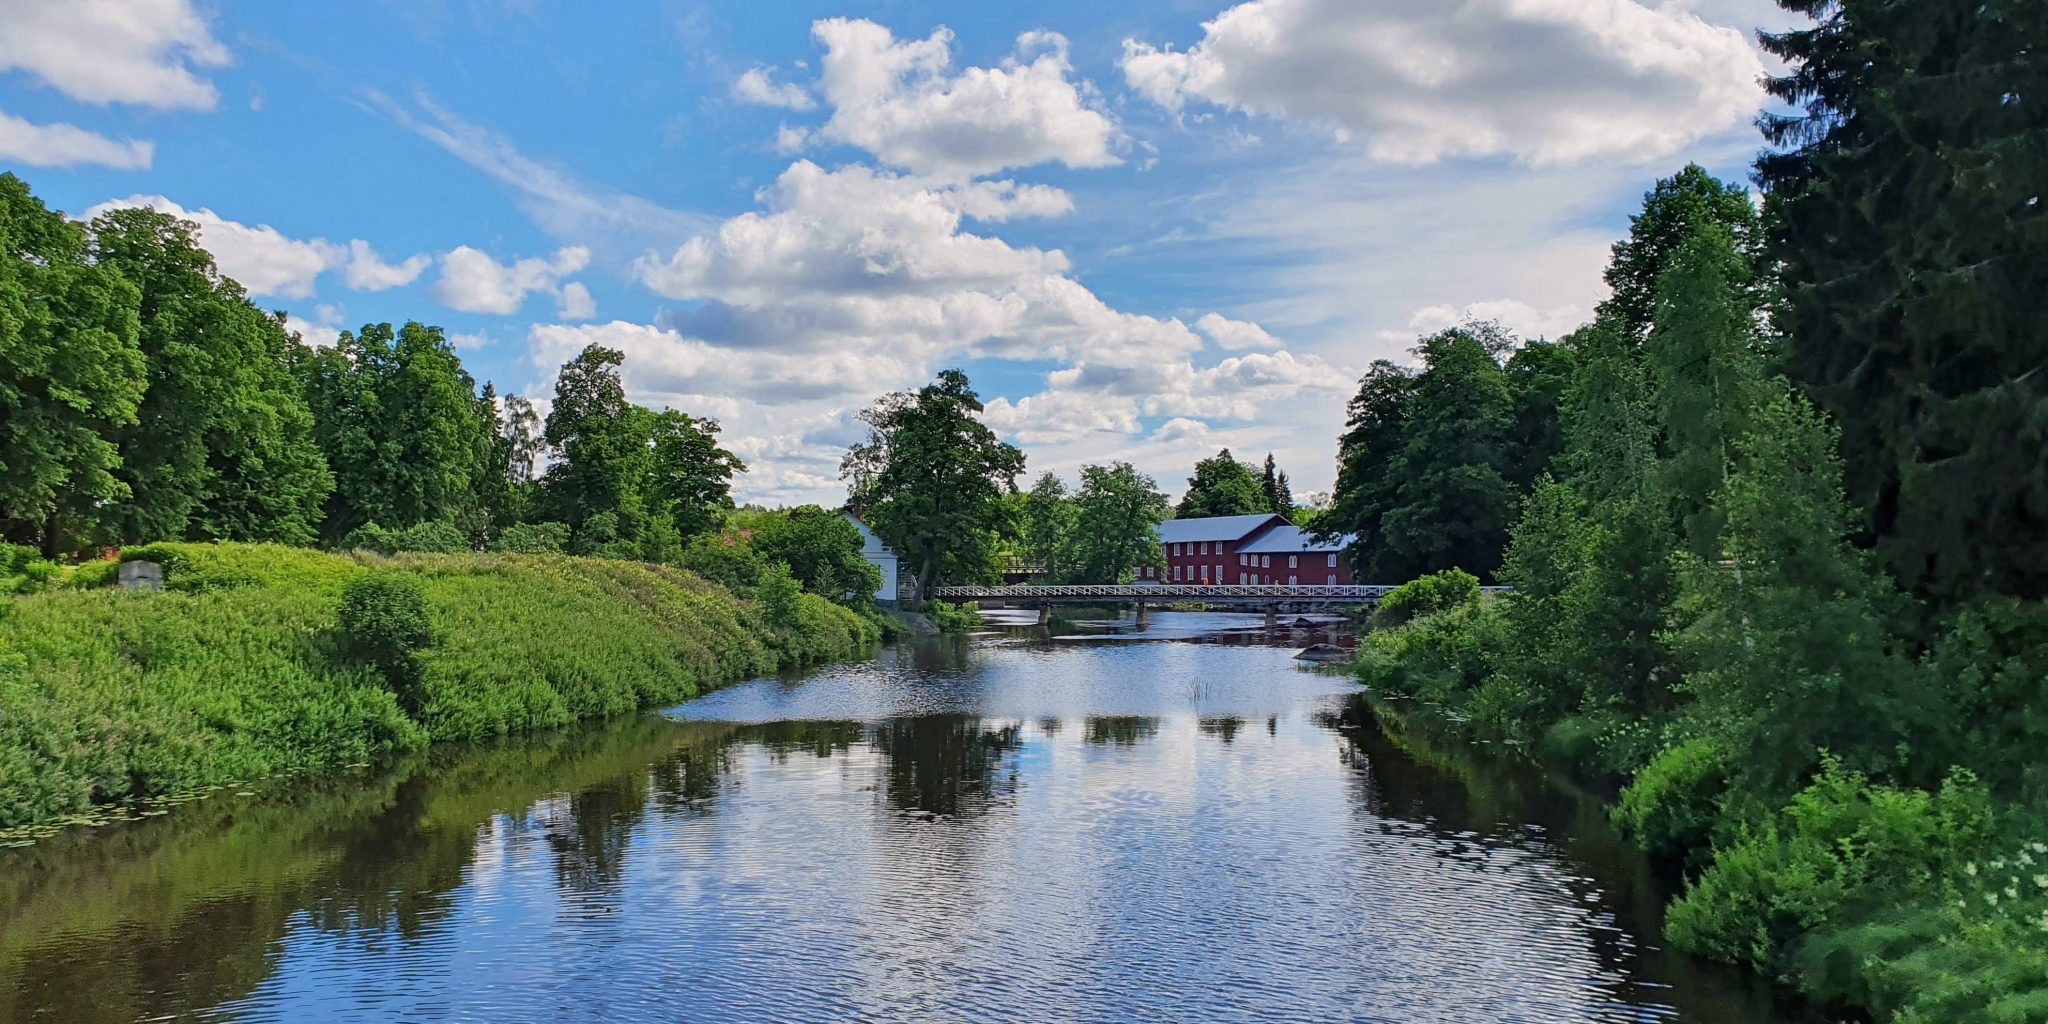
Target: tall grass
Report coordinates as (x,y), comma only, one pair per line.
(238,670)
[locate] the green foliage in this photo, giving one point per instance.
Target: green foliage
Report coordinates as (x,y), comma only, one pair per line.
(1842,847)
(822,550)
(1674,802)
(223,445)
(438,537)
(952,618)
(726,560)
(778,595)
(1441,659)
(1116,523)
(242,668)
(1424,468)
(1279,495)
(385,625)
(1427,595)
(930,477)
(1223,486)
(71,375)
(1907,224)
(1048,526)
(533,539)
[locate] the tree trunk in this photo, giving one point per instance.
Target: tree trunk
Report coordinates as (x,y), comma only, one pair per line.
(924,582)
(50,537)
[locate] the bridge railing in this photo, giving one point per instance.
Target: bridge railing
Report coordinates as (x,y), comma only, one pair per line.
(1364,593)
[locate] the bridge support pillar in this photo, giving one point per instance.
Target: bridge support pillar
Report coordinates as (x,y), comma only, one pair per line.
(1142,617)
(1045,615)
(1272,617)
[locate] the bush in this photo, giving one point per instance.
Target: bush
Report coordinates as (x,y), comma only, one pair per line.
(1442,658)
(1841,848)
(436,537)
(724,560)
(1671,806)
(952,618)
(13,557)
(1427,595)
(533,539)
(385,626)
(777,593)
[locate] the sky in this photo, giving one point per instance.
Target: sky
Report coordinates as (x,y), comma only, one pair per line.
(1146,230)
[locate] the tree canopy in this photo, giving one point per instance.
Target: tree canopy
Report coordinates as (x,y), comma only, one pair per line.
(1223,486)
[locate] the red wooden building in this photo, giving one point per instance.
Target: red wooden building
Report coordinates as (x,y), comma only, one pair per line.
(1239,550)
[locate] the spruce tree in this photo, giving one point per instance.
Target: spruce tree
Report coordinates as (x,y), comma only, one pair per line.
(1908,202)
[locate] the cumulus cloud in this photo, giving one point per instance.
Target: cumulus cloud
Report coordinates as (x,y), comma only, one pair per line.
(1058,416)
(142,52)
(366,271)
(855,256)
(904,102)
(575,302)
(1415,81)
(758,86)
(472,282)
(321,331)
(262,258)
(663,367)
(65,145)
(266,261)
(1228,333)
(1518,317)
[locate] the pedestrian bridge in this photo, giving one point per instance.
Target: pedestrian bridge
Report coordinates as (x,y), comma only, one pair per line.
(1271,597)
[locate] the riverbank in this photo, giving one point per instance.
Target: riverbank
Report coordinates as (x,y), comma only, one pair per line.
(1909,904)
(237,670)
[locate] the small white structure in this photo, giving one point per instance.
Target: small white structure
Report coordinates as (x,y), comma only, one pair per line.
(878,553)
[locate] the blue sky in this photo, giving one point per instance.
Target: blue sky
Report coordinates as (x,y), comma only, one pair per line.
(1147,230)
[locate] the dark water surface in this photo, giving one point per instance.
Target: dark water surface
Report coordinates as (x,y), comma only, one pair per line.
(1174,827)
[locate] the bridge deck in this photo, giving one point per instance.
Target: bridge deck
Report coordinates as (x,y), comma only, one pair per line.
(1369,593)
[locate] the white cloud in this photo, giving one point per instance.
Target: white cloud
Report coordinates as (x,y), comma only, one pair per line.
(472,282)
(64,145)
(758,86)
(903,102)
(114,51)
(857,256)
(1239,334)
(319,332)
(1520,318)
(1057,416)
(262,258)
(576,303)
(1415,81)
(469,342)
(367,272)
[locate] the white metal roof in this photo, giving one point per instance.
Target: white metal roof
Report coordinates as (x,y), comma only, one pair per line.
(1287,539)
(1212,528)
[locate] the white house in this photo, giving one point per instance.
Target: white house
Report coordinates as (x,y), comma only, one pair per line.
(878,553)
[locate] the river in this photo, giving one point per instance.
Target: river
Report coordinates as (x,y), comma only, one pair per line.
(1180,825)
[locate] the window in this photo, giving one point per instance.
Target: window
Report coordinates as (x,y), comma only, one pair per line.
(1291,563)
(1176,574)
(1205,547)
(1333,561)
(1265,561)
(1290,581)
(1331,579)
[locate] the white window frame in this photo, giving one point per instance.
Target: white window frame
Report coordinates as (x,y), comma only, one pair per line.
(1293,561)
(1333,560)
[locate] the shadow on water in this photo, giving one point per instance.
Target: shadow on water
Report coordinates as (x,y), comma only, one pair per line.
(1019,828)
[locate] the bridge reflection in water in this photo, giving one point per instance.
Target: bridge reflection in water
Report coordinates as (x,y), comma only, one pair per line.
(1270,598)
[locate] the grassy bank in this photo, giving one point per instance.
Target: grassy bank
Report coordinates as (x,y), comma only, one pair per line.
(1911,903)
(239,669)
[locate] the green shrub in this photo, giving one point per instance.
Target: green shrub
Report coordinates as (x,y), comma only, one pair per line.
(533,539)
(1841,848)
(777,593)
(952,618)
(385,625)
(14,556)
(436,537)
(1671,806)
(1426,595)
(1442,658)
(724,560)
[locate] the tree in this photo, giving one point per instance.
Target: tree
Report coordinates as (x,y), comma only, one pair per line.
(1048,526)
(1116,523)
(402,428)
(223,446)
(823,553)
(690,477)
(602,448)
(1222,486)
(1907,218)
(1279,497)
(1539,375)
(1374,428)
(929,478)
(71,374)
(1671,211)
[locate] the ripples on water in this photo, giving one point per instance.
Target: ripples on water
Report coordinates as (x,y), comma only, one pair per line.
(1088,828)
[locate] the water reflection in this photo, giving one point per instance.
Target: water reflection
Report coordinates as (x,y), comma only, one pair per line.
(1003,830)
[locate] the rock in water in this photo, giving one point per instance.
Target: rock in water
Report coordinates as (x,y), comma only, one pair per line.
(1323,654)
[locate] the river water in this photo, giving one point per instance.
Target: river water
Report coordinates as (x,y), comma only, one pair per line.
(1179,825)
